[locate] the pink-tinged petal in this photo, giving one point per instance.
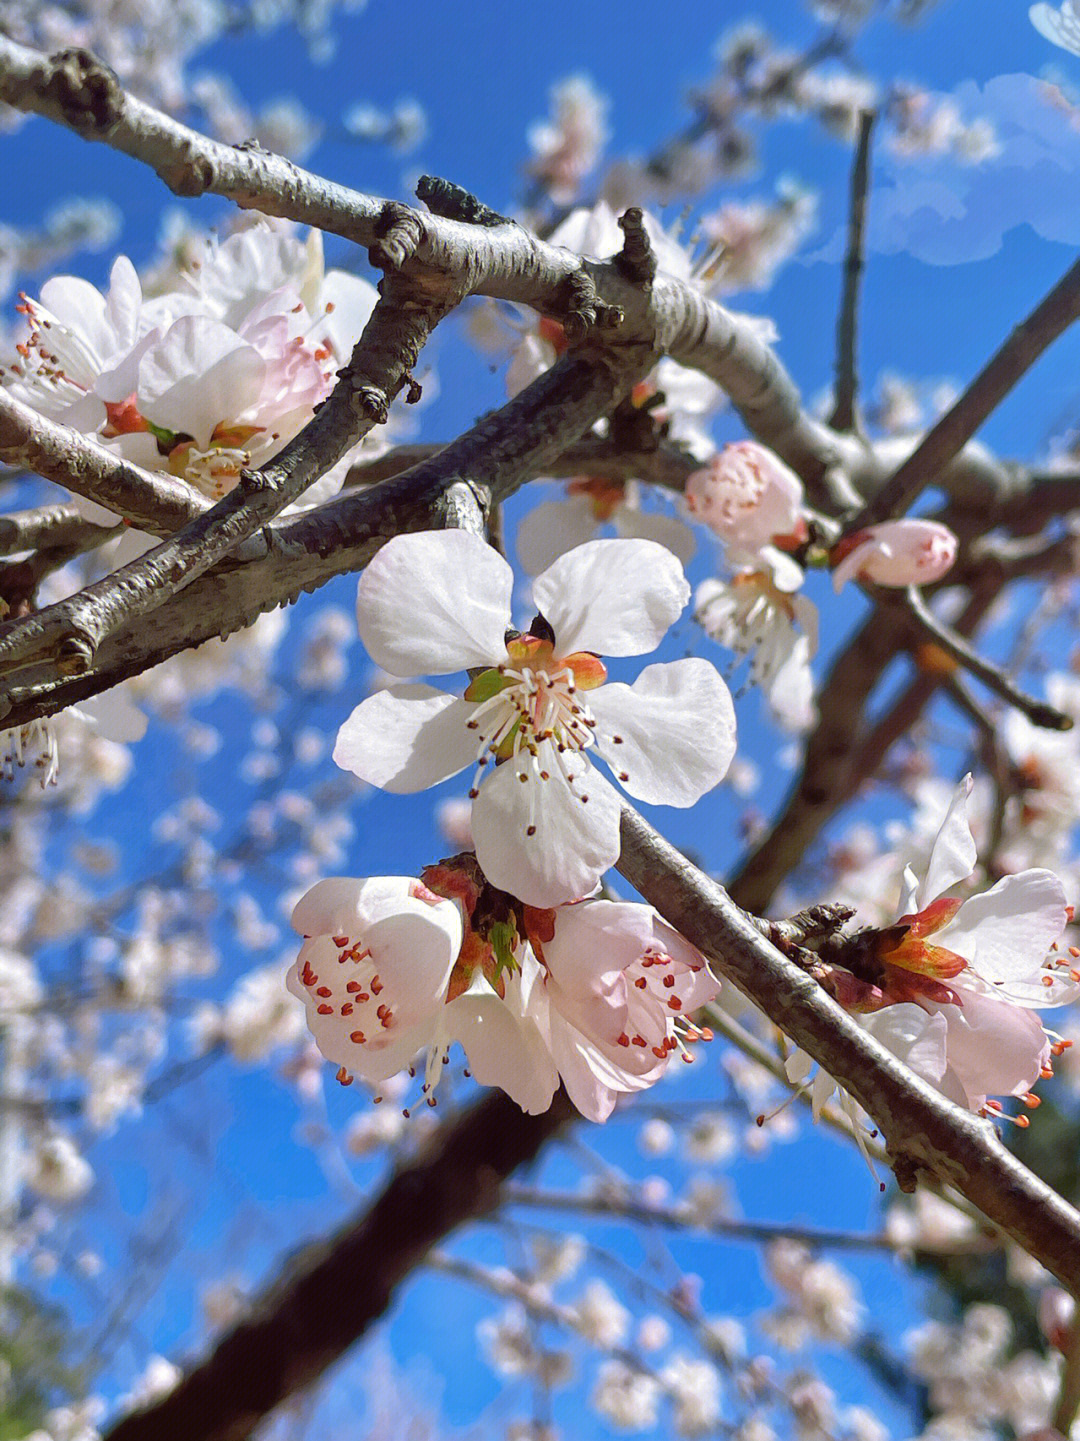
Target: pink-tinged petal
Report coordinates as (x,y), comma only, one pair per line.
(198,375)
(435,603)
(747,496)
(614,597)
(551,529)
(597,940)
(414,956)
(574,842)
(896,552)
(114,715)
(503,1049)
(993,1048)
(676,731)
(1007,931)
(954,852)
(339,904)
(592,1079)
(406,738)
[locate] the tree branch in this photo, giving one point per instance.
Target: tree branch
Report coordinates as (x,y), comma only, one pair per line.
(945,440)
(154,502)
(847,380)
(338,1288)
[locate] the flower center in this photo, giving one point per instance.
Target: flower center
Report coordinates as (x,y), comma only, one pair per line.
(528,706)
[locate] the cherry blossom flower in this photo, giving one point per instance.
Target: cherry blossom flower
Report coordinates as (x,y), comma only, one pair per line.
(748,497)
(373,970)
(896,552)
(957,1008)
(568,146)
(614,1003)
(546,825)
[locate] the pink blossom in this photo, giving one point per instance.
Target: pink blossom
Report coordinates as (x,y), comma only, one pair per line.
(747,496)
(619,985)
(896,552)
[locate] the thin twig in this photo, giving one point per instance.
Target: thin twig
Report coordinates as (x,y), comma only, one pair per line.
(1053,315)
(1040,713)
(847,380)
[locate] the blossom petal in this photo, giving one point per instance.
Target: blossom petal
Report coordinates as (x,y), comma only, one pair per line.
(406,738)
(676,725)
(551,529)
(954,853)
(504,1049)
(435,603)
(993,1048)
(613,597)
(913,1036)
(575,840)
(1006,933)
(200,374)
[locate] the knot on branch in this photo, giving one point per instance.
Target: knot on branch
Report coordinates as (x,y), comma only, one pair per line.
(400,231)
(74,654)
(453,202)
(86,92)
(371,401)
(636,259)
(192,173)
(585,309)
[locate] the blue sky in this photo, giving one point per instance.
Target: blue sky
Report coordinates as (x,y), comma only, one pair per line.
(218,1163)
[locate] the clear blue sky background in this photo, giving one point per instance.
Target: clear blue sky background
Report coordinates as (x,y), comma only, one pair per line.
(217,1167)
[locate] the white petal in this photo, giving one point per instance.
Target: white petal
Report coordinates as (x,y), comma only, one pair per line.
(1006,933)
(677,729)
(613,597)
(406,738)
(504,1050)
(199,375)
(551,529)
(434,603)
(913,1036)
(993,1048)
(575,841)
(114,715)
(954,852)
(667,530)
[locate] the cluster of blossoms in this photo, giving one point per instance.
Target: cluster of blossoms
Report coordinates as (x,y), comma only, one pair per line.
(211,373)
(952,986)
(598,994)
(535,983)
(753,503)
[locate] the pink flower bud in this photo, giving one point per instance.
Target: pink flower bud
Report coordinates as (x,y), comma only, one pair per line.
(747,496)
(896,552)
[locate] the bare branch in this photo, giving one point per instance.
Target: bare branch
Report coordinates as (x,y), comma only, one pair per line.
(157,503)
(337,1288)
(50,527)
(847,380)
(1039,712)
(945,440)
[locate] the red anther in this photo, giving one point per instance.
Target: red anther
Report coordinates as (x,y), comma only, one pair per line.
(687,1058)
(1074,951)
(325,1010)
(638,1040)
(641,983)
(659,1052)
(383,1011)
(1070,912)
(994,1106)
(343,1078)
(1046,1072)
(669,981)
(1053,945)
(376,986)
(340,941)
(624,1039)
(353,987)
(359,1038)
(1031,1100)
(324,991)
(674,1004)
(706,1033)
(1022,1121)
(1047,980)
(363,996)
(358,955)
(376,1100)
(307,975)
(347,1008)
